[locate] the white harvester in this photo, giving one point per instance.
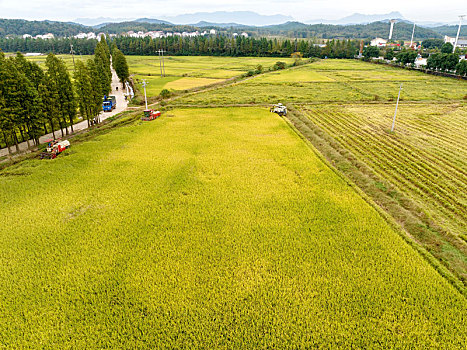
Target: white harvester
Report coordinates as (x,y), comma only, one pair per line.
(279,109)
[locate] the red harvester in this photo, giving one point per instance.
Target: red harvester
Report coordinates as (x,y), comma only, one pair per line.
(54,148)
(151,114)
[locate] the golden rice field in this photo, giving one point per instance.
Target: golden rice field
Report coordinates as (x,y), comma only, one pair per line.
(421,169)
(68,59)
(424,160)
(208,228)
(186,72)
(336,81)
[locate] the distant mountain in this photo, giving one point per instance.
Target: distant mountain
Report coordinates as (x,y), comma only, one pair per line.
(99,21)
(151,20)
(358,18)
(220,25)
(240,17)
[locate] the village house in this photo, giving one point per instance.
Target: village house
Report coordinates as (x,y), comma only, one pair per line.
(378,42)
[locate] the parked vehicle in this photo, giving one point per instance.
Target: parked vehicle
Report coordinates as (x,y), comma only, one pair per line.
(109,103)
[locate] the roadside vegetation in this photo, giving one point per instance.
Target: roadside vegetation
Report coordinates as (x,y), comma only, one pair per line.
(39,99)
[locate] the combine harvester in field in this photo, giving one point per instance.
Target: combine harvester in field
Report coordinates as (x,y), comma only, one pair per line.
(279,109)
(54,148)
(150,114)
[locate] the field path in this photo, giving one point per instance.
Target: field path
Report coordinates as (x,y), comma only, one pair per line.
(121,106)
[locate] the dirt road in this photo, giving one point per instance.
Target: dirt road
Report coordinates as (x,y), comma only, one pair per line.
(121,106)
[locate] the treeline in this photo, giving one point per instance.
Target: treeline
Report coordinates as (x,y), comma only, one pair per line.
(123,27)
(447,62)
(34,102)
(240,46)
(57,46)
(443,60)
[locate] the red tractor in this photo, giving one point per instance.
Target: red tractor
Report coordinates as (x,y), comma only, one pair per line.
(151,114)
(54,148)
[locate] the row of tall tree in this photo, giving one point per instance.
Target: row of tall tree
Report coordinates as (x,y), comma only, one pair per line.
(57,46)
(240,46)
(120,65)
(34,102)
(219,45)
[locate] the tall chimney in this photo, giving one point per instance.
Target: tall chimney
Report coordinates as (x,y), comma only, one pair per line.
(392,27)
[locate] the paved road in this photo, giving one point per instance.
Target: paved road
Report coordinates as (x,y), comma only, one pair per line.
(121,106)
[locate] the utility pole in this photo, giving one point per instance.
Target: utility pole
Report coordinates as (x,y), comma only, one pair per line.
(72,55)
(395,113)
(458,32)
(161,61)
(163,65)
(145,99)
(413,32)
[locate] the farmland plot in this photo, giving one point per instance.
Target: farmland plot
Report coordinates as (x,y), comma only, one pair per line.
(336,81)
(187,72)
(425,160)
(208,228)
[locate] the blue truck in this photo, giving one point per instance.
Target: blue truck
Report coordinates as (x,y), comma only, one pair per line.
(109,103)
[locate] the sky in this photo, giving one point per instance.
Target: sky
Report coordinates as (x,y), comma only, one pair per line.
(301,10)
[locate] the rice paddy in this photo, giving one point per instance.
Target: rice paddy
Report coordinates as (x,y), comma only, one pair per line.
(186,72)
(226,228)
(208,228)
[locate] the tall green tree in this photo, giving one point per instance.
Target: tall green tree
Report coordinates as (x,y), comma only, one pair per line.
(83,89)
(19,101)
(96,95)
(34,119)
(102,61)
(60,92)
(120,65)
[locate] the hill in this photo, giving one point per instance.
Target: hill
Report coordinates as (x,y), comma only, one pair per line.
(21,26)
(402,30)
(451,30)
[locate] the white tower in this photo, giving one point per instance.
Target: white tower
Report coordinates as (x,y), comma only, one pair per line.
(392,27)
(458,32)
